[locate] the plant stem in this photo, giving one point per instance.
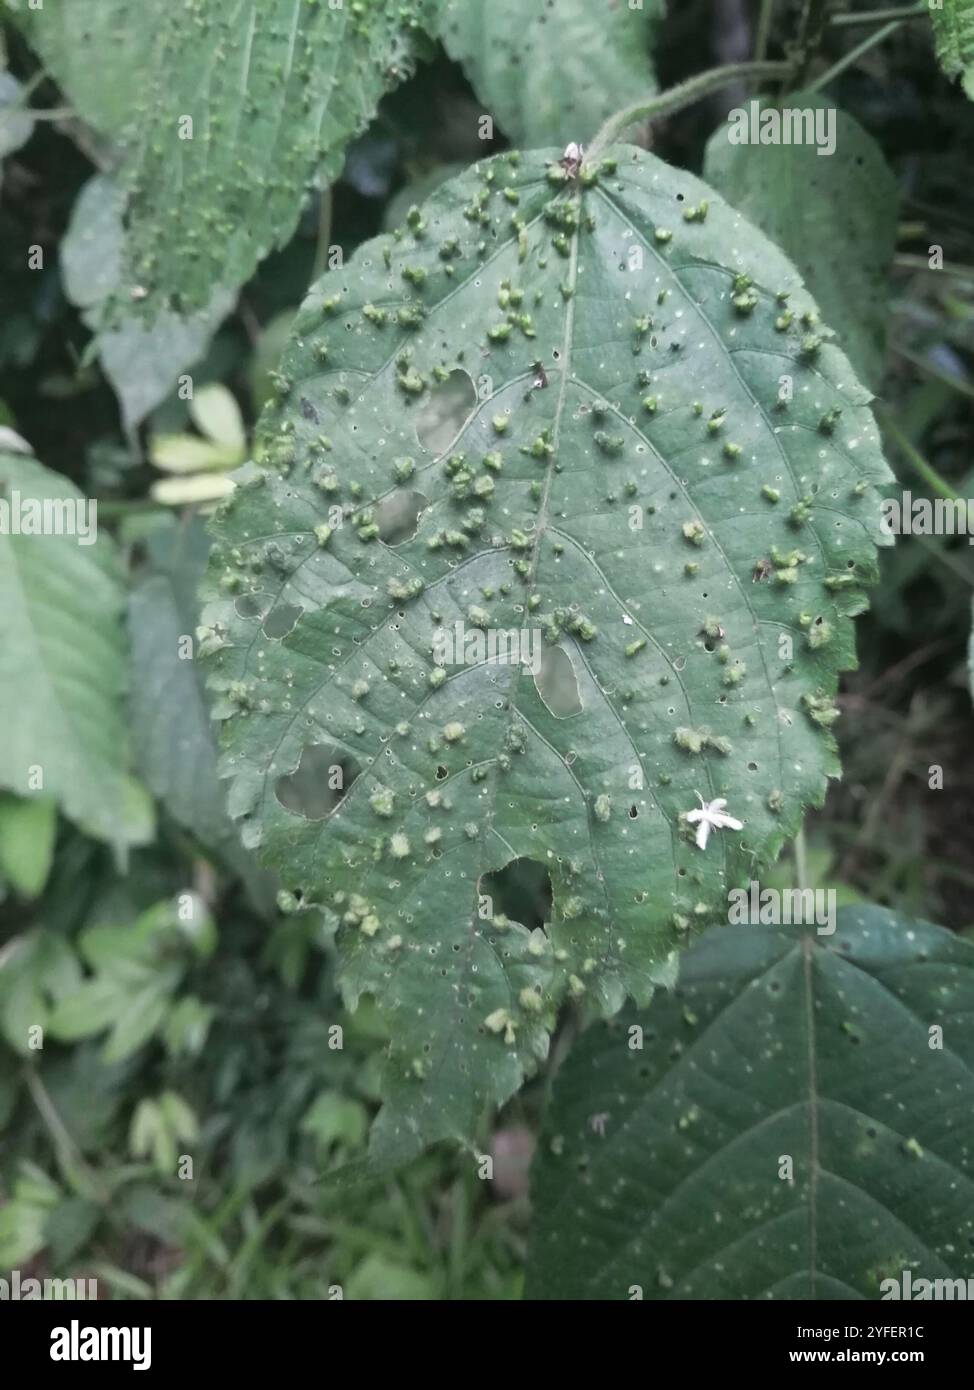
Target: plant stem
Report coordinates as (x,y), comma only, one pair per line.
(908,262)
(929,369)
(920,465)
(801,859)
(763,30)
(854,55)
(685,94)
(844,21)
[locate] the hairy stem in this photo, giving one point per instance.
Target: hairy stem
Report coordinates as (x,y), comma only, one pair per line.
(685,94)
(916,460)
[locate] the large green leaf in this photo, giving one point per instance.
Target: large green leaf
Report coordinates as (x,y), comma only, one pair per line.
(228,111)
(553,73)
(807,202)
(628,484)
(62,661)
(662,1169)
(953,29)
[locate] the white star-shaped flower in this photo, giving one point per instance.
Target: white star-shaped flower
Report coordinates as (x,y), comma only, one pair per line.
(711,816)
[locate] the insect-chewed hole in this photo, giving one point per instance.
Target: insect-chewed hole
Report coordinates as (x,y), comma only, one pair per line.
(444,411)
(521,891)
(319,783)
(397,515)
(557,684)
(282,620)
(249,605)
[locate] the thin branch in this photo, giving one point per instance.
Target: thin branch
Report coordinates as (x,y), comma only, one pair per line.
(853,56)
(763,30)
(683,95)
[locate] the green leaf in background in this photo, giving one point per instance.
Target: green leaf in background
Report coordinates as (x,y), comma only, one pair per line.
(97,51)
(228,112)
(834,215)
(137,969)
(175,739)
(62,663)
(551,74)
(24,1215)
(953,29)
(38,970)
(629,485)
(16,123)
(664,1168)
(142,360)
(28,828)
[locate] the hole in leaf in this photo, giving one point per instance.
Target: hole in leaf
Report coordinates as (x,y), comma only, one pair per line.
(282,620)
(397,515)
(248,606)
(444,411)
(319,783)
(521,891)
(557,683)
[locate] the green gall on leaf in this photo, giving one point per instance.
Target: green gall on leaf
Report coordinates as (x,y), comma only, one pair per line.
(383,802)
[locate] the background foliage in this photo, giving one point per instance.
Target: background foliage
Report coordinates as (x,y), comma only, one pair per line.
(187,1006)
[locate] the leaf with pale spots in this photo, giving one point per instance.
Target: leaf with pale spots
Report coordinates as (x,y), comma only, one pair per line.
(228,112)
(778,1044)
(953,31)
(806,200)
(639,542)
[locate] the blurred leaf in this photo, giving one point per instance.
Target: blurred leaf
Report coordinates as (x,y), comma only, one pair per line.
(192,491)
(62,663)
(807,202)
(779,1044)
(381,1279)
(28,828)
(336,1119)
(37,970)
(16,122)
(142,1016)
(24,1215)
(175,740)
(216,414)
(552,73)
(142,361)
(187,453)
(69,1227)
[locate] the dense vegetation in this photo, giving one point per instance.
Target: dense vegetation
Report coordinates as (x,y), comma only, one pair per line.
(329,963)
